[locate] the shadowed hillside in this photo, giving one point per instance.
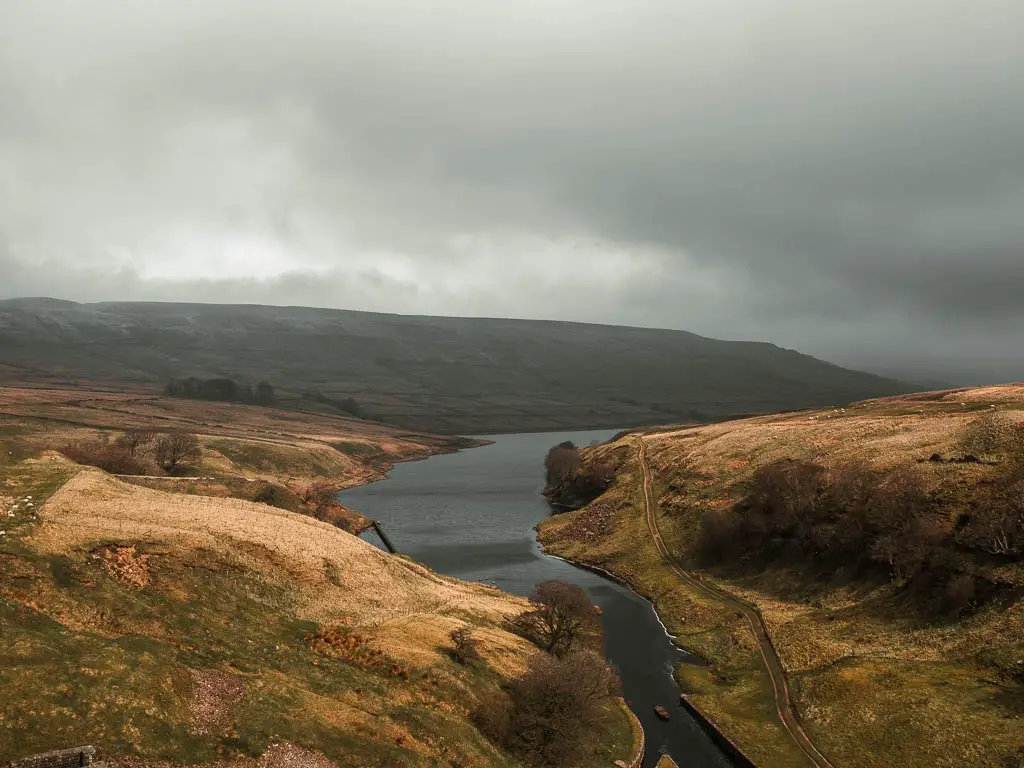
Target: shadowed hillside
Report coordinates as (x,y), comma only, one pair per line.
(436,373)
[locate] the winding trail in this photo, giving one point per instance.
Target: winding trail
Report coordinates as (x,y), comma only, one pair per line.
(788,716)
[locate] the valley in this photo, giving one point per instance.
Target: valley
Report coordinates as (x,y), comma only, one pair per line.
(225,614)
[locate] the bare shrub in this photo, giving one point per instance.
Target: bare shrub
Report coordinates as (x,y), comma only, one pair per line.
(798,511)
(134,439)
(719,536)
(789,493)
(274,496)
(572,482)
(562,619)
(176,449)
(464,648)
(320,496)
(110,458)
(996,528)
(543,719)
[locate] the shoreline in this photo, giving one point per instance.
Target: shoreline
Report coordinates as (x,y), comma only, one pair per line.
(638,747)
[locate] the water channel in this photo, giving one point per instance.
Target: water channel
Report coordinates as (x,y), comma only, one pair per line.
(471,515)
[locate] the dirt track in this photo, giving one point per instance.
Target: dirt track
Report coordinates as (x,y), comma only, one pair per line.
(783,703)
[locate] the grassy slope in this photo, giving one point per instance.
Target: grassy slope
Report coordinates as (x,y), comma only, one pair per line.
(876,683)
(244,447)
(457,375)
(130,616)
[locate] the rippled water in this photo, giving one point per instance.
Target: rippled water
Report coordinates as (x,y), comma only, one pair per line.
(471,515)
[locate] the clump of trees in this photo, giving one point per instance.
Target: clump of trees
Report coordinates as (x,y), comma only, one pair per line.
(348,405)
(888,523)
(542,716)
(221,390)
(136,452)
(572,482)
(110,457)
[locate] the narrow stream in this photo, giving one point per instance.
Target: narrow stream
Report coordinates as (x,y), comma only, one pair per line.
(471,515)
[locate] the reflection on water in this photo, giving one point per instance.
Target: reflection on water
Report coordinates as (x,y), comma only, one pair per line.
(472,514)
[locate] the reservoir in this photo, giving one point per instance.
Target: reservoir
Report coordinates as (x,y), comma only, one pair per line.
(471,515)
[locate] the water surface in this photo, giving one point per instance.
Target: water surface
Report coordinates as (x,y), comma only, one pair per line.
(472,514)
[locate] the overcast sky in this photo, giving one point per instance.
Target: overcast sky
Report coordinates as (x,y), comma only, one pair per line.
(842,177)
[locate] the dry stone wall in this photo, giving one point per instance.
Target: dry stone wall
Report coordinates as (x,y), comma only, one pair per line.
(62,758)
(639,741)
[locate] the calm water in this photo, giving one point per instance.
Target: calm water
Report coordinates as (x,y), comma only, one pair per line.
(472,514)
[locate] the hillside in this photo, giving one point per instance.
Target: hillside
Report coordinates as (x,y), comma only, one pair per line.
(883,546)
(197,619)
(452,375)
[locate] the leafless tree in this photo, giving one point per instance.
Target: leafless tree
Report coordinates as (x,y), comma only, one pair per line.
(175,449)
(133,439)
(464,648)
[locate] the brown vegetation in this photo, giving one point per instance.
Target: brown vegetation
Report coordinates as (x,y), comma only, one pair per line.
(562,618)
(464,646)
(131,584)
(175,450)
(880,542)
(543,716)
(110,457)
(886,522)
(571,483)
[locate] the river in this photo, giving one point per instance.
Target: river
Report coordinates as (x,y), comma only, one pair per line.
(471,515)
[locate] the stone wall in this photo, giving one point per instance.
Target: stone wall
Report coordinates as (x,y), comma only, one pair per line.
(727,745)
(639,741)
(62,758)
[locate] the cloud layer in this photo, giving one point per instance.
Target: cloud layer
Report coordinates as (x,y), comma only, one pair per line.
(846,179)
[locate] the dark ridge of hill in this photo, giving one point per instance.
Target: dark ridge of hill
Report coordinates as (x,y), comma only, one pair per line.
(443,374)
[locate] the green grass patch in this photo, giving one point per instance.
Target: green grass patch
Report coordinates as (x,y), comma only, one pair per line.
(355,448)
(276,459)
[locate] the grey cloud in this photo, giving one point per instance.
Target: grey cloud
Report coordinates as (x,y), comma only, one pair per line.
(845,179)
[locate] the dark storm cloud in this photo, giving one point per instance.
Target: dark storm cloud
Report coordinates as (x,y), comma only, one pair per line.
(843,178)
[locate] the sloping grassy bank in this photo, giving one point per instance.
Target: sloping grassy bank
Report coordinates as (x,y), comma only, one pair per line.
(175,622)
(889,663)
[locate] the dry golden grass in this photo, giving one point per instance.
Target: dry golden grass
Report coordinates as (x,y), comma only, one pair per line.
(283,755)
(168,589)
(75,414)
(241,443)
(877,684)
(407,607)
